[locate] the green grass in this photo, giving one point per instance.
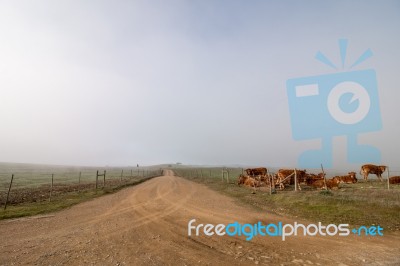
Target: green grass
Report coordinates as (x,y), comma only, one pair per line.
(61,202)
(356,204)
(34,175)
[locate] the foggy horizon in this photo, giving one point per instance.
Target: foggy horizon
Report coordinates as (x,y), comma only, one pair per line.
(121,83)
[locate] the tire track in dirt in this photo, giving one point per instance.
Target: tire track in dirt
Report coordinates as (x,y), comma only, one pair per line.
(147,225)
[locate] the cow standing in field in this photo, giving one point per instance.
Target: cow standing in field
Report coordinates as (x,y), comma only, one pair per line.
(256,171)
(348,179)
(367,169)
(259,174)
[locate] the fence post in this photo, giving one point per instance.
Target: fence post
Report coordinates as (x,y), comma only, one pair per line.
(131,173)
(295,179)
(79,181)
(51,188)
(97,177)
(122,173)
(270,183)
(388,178)
(323,172)
(104,179)
(9,189)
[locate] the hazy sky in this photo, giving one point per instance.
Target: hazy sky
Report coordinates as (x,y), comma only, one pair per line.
(197,82)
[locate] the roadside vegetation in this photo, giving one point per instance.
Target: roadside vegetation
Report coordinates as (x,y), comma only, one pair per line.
(363,203)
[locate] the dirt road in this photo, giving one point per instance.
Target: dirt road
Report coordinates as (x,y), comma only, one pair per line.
(147,225)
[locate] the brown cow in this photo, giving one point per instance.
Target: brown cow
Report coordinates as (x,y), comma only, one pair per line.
(284,173)
(256,171)
(394,180)
(311,178)
(348,179)
(367,169)
(248,181)
(330,183)
(241,179)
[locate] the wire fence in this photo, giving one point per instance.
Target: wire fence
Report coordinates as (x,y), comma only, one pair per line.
(235,171)
(231,174)
(36,184)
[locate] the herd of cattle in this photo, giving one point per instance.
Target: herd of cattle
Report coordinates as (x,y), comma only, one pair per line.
(259,177)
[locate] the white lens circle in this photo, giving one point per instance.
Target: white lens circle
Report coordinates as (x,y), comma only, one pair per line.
(359,93)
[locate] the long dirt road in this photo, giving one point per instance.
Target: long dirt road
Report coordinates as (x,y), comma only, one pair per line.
(147,225)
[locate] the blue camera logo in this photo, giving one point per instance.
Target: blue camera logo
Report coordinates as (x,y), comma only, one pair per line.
(344,103)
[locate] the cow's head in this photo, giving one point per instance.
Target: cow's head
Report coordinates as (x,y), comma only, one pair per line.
(353,176)
(382,168)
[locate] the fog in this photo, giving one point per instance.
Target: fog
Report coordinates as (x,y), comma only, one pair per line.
(196,82)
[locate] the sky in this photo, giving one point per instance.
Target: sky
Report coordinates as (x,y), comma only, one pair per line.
(197,82)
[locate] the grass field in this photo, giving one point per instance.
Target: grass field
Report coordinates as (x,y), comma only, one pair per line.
(363,203)
(32,193)
(34,175)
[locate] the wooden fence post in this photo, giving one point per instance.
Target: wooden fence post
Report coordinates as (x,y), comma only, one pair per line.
(97,177)
(388,186)
(8,193)
(224,172)
(131,174)
(295,179)
(104,179)
(122,173)
(51,188)
(272,183)
(322,168)
(79,181)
